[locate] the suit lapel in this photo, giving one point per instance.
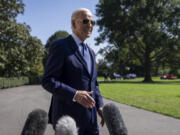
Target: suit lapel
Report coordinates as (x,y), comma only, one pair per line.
(77,53)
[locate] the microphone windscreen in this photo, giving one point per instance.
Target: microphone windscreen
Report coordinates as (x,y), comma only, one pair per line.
(36,123)
(114,120)
(66,126)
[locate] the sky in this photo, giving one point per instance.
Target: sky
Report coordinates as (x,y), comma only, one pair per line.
(45,17)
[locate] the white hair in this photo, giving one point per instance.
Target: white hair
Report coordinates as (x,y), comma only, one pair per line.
(66,126)
(75,14)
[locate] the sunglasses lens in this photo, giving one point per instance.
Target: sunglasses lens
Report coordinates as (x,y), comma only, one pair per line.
(86,21)
(93,23)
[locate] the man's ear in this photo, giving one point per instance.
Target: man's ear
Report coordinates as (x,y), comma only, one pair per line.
(73,24)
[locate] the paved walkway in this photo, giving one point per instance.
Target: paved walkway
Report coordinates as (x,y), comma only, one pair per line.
(16,103)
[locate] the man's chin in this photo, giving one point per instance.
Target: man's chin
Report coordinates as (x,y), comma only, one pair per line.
(88,35)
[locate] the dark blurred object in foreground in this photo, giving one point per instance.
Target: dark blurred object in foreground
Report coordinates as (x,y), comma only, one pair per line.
(114,120)
(36,123)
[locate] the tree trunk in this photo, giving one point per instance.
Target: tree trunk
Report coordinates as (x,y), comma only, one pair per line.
(147,66)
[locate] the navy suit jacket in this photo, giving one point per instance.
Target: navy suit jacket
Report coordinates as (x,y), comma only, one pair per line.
(65,73)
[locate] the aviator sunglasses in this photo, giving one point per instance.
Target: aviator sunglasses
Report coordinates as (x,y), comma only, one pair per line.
(86,21)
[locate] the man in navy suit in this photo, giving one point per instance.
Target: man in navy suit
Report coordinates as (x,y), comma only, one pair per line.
(71,76)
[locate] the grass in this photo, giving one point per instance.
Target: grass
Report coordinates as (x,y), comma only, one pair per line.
(162,96)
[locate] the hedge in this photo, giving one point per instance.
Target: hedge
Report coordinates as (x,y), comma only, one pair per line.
(18,81)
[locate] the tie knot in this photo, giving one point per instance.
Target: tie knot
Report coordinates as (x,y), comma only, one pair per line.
(84,46)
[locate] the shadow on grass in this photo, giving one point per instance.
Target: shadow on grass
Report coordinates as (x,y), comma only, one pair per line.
(177,82)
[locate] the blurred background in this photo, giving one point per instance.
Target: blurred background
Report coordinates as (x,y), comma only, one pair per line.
(131,38)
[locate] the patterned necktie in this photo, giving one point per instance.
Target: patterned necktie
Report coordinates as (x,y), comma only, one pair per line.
(86,56)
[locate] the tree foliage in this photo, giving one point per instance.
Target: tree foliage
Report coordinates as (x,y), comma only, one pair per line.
(57,35)
(150,28)
(9,9)
(119,61)
(19,51)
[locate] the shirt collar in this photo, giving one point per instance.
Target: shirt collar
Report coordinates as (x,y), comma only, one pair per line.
(76,39)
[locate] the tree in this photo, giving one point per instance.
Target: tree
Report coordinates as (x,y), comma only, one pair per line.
(34,56)
(173,61)
(57,35)
(102,67)
(149,28)
(120,60)
(9,9)
(19,51)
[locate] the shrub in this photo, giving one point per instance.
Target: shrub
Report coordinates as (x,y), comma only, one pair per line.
(19,81)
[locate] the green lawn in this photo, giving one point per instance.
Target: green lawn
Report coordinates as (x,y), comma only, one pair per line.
(163,96)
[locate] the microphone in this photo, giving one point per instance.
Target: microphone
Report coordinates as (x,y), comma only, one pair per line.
(36,123)
(66,126)
(114,120)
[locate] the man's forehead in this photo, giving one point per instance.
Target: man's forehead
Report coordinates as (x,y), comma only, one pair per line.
(86,13)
